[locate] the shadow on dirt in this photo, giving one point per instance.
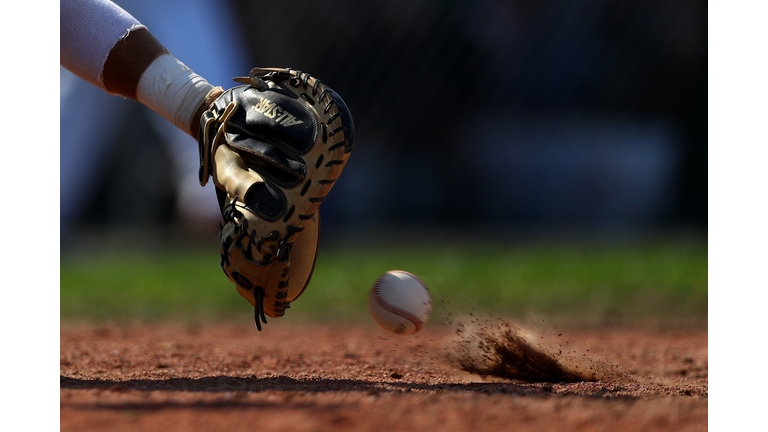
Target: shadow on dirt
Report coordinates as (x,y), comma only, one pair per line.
(253,384)
(287,384)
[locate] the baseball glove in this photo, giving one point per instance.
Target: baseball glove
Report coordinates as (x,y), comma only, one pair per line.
(274,146)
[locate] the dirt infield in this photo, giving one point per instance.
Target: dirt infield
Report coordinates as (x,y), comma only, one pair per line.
(357,378)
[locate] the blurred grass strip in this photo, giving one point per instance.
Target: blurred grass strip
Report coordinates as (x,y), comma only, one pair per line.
(653,280)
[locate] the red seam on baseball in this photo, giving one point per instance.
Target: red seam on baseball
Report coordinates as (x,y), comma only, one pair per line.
(394,309)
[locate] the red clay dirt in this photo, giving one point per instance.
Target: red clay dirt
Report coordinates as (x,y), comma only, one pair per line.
(335,377)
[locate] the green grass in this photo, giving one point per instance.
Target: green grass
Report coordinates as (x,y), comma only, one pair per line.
(652,280)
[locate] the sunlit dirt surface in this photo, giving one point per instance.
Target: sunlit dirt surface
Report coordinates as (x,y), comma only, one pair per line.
(356,377)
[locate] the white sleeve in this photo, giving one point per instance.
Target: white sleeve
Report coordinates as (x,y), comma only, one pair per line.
(89,29)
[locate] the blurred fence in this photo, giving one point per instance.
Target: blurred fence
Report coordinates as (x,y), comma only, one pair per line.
(535,113)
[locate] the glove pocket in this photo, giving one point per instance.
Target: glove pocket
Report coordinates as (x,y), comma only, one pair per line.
(232,175)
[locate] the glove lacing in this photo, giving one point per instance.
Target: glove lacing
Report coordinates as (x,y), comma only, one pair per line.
(280,252)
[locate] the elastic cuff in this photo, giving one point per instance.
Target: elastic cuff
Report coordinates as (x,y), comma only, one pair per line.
(128,60)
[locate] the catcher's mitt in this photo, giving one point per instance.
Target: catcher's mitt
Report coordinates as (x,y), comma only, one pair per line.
(274,146)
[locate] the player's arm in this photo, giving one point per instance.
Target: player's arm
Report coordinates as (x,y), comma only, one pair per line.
(106,46)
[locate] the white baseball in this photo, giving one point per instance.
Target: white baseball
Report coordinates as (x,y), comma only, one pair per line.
(399,302)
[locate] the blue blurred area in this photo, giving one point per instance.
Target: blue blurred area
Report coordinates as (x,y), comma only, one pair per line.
(530,114)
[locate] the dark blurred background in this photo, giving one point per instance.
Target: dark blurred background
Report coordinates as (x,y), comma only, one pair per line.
(524,115)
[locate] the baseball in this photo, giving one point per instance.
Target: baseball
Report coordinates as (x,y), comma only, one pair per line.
(399,302)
